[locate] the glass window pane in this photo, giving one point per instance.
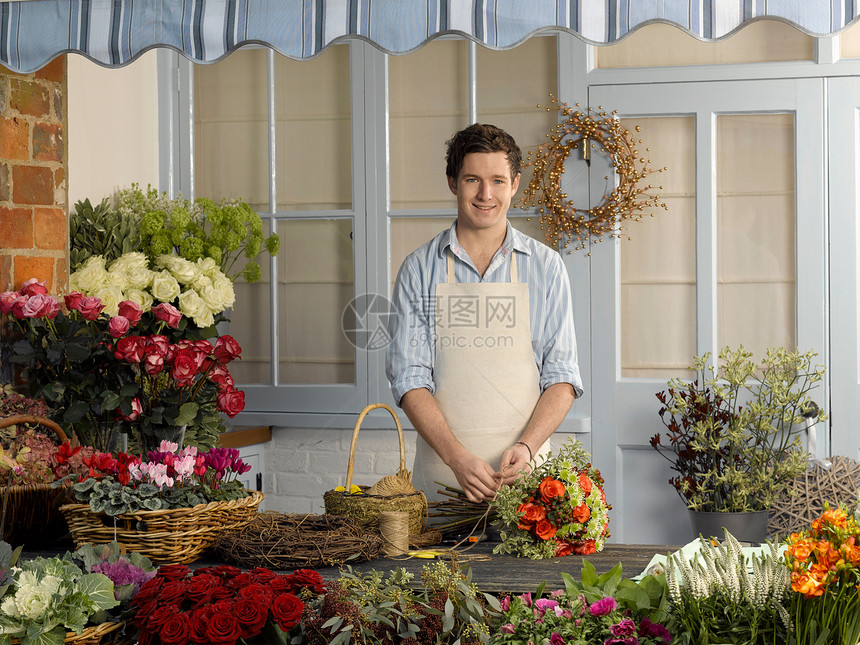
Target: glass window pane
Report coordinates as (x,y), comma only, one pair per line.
(315,284)
(756,231)
(512,83)
(249,324)
(230,132)
(428,104)
(658,262)
(662,45)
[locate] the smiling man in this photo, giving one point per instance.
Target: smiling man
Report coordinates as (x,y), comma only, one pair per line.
(483,358)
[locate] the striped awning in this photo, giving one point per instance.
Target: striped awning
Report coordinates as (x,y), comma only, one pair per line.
(115,32)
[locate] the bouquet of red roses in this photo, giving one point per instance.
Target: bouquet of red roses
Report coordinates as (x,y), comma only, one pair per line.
(559,508)
(221,605)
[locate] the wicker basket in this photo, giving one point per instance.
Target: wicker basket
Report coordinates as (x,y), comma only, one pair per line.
(172,536)
(366,509)
(32,510)
(101,634)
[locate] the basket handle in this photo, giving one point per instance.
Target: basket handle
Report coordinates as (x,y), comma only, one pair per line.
(373,406)
(29,418)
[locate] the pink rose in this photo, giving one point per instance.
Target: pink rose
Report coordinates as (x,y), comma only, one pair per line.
(73,300)
(168,313)
(33,288)
(231,401)
(40,306)
(227,349)
(118,326)
(131,310)
(7,300)
(136,409)
(91,307)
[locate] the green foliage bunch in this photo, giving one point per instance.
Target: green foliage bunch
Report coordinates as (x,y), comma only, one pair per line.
(735,432)
(716,599)
(100,230)
(225,231)
(378,608)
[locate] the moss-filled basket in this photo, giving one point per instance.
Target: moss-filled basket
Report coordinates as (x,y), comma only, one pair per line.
(367,508)
(32,514)
(169,536)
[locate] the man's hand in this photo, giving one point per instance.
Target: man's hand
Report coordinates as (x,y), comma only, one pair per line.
(514,459)
(475,476)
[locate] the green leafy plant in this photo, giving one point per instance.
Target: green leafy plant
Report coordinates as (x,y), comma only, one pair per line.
(734,433)
(378,608)
(99,230)
(715,599)
(225,231)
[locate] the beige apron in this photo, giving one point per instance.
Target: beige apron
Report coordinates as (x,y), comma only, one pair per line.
(487,382)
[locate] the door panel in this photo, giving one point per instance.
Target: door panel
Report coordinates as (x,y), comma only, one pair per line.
(646,508)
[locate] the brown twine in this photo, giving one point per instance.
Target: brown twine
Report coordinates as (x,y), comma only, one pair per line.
(394,531)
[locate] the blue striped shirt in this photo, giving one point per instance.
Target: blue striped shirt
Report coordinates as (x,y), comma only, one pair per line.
(411,354)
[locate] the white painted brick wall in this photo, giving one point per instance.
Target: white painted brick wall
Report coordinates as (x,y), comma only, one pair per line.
(303,463)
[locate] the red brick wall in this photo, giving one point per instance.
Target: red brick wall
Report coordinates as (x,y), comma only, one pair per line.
(34,237)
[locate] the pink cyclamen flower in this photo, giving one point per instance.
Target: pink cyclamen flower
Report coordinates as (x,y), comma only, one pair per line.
(505,603)
(603,606)
(508,629)
(167,446)
(118,326)
(556,639)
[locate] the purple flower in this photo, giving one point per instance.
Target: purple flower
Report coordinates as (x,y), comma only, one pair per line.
(527,599)
(505,603)
(508,629)
(122,572)
(647,628)
(556,639)
(542,604)
(603,606)
(625,628)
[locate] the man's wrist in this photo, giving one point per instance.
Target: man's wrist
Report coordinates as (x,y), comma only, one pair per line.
(523,443)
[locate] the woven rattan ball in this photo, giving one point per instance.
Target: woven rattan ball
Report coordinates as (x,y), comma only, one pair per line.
(838,484)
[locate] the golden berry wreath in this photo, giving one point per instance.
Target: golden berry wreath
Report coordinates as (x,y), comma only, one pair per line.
(628,200)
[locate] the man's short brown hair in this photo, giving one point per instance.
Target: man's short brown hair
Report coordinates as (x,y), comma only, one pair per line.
(481,137)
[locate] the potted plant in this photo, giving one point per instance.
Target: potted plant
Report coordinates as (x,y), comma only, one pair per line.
(734,433)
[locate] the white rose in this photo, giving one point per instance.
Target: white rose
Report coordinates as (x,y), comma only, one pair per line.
(140,297)
(129,261)
(208,267)
(139,277)
(184,271)
(219,295)
(192,305)
(110,296)
(89,277)
(201,283)
(117,278)
(165,287)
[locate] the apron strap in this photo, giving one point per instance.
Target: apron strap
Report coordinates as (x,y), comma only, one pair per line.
(450,259)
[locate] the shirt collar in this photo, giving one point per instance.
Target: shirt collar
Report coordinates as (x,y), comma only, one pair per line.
(514,241)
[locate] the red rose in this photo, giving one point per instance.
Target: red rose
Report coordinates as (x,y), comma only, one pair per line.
(91,307)
(584,482)
(241,581)
(544,530)
(199,619)
(131,310)
(586,547)
(550,488)
(73,300)
(143,610)
(308,579)
(152,362)
(173,572)
(184,366)
(168,313)
(226,571)
(532,514)
(261,574)
(173,593)
(563,548)
(220,375)
(160,616)
(581,514)
(231,401)
(200,588)
(129,349)
(33,288)
(286,610)
(8,300)
(227,349)
(175,630)
(223,628)
(263,594)
(252,615)
(149,590)
(159,345)
(118,326)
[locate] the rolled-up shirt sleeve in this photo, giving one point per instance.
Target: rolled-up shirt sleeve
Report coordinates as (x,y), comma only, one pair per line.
(409,355)
(558,362)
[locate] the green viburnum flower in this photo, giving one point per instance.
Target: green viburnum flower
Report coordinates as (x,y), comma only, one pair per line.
(251,272)
(273,244)
(160,243)
(213,252)
(180,218)
(152,222)
(191,248)
(252,248)
(234,241)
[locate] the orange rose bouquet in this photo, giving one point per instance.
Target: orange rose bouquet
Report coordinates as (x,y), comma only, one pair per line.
(559,508)
(825,576)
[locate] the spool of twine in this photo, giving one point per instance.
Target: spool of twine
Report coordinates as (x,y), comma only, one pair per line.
(394,530)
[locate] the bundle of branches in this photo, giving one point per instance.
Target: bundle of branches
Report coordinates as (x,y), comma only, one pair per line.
(455,514)
(290,541)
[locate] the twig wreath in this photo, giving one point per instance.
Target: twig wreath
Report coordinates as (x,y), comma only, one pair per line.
(629,200)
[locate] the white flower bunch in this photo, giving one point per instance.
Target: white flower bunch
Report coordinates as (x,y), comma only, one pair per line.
(201,288)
